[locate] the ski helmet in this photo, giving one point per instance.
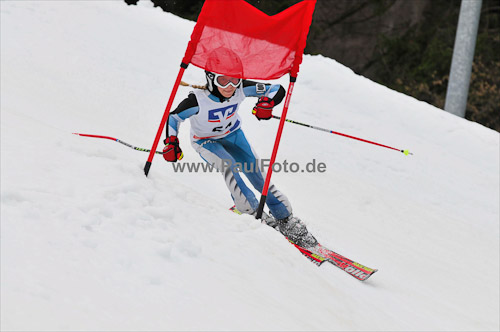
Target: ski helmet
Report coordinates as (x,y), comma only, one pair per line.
(222,61)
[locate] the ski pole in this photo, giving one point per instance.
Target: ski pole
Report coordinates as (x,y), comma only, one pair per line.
(117,140)
(406,152)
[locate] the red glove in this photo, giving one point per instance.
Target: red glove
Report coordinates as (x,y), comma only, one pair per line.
(172,152)
(263,110)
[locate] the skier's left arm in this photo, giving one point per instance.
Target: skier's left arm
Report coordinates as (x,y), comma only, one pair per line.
(269,95)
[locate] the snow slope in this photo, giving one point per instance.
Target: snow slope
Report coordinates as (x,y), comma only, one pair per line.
(89,243)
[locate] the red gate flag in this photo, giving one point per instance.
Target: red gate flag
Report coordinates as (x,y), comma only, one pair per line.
(268,46)
(264,47)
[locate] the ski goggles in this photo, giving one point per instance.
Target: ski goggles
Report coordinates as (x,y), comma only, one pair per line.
(224,81)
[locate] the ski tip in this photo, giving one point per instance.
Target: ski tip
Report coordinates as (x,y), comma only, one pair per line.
(369,275)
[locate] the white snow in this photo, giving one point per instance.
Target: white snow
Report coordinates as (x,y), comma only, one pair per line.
(89,243)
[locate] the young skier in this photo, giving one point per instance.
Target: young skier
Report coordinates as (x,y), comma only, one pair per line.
(217,136)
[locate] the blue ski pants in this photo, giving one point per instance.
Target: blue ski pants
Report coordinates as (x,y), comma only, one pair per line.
(233,155)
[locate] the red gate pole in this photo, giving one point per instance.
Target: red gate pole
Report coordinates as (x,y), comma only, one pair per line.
(165,117)
(265,189)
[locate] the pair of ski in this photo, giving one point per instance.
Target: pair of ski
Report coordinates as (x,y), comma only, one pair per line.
(319,254)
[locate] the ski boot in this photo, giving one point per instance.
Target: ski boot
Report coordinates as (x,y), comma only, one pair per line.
(296,232)
(267,219)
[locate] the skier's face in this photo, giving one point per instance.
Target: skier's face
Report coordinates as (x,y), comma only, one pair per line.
(227,92)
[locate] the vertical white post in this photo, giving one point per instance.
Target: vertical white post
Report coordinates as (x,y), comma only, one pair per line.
(463,55)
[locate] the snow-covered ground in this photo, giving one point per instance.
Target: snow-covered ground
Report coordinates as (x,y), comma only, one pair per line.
(89,243)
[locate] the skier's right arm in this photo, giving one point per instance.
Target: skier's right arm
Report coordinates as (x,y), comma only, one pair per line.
(188,107)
